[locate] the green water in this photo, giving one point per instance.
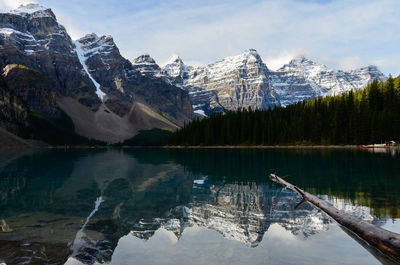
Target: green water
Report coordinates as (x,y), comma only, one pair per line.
(217,206)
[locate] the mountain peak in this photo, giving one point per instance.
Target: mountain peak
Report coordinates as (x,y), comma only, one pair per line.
(301,59)
(176,67)
(29,8)
(370,67)
(247,53)
(33,9)
(175,59)
(144,59)
(252,51)
(146,65)
(90,36)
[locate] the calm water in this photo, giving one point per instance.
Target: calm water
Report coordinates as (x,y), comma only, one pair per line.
(191,206)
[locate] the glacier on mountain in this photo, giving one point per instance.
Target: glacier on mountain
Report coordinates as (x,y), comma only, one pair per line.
(81,52)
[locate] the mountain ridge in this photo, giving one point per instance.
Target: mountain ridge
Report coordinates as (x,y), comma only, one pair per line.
(253,84)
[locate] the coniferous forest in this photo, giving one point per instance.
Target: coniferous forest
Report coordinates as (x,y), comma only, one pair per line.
(371,115)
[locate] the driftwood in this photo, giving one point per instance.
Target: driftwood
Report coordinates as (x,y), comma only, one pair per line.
(387,242)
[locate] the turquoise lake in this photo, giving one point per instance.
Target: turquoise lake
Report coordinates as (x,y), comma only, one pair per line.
(191,206)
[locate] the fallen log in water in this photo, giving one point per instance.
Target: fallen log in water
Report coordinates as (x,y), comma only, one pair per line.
(387,242)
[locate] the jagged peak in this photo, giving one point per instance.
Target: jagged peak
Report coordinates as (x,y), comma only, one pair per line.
(144,58)
(372,70)
(175,59)
(230,63)
(252,52)
(29,8)
(370,67)
(301,59)
(33,9)
(107,37)
(87,37)
(176,67)
(93,37)
(246,54)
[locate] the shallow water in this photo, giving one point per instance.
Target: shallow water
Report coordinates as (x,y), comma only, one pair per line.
(149,206)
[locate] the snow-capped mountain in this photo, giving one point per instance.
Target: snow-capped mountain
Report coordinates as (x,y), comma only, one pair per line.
(37,9)
(177,69)
(31,36)
(232,83)
(106,98)
(245,81)
(147,66)
(244,213)
(123,83)
(302,78)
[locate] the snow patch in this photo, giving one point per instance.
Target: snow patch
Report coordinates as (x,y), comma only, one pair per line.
(81,55)
(9,31)
(37,9)
(200,111)
(79,241)
(198,181)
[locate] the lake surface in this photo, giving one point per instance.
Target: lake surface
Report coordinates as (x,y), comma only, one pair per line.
(206,206)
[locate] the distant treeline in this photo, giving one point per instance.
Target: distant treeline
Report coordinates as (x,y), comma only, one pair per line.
(370,115)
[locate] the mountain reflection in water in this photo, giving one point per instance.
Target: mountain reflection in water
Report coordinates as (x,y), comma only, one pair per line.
(48,203)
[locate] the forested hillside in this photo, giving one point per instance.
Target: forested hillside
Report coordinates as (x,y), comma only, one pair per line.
(367,116)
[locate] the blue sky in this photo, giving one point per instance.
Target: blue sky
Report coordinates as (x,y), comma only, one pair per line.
(342,34)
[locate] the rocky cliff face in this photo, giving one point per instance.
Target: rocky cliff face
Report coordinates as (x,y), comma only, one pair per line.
(245,81)
(105,65)
(239,81)
(13,111)
(31,36)
(106,97)
(147,66)
(123,84)
(232,83)
(33,88)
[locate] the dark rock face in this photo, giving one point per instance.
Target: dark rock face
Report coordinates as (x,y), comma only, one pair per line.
(146,65)
(13,111)
(32,87)
(172,101)
(124,83)
(36,40)
(108,68)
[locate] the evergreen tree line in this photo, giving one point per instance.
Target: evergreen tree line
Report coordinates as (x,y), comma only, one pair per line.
(370,115)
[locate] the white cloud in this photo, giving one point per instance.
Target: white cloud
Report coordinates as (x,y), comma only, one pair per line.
(341,34)
(6,5)
(196,63)
(170,60)
(351,62)
(389,65)
(275,62)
